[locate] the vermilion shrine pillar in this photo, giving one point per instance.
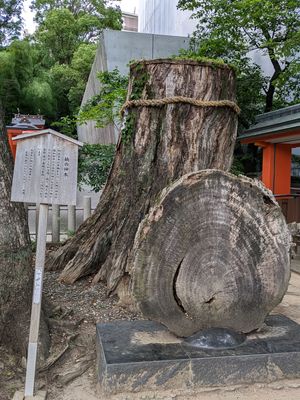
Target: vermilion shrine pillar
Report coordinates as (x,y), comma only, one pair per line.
(276,167)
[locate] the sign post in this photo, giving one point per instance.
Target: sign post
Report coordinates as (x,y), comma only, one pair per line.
(46,173)
(36,301)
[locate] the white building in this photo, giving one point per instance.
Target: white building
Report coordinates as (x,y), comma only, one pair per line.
(162,17)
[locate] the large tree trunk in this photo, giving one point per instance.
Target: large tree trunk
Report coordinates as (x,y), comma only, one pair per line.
(16,273)
(212,252)
(158,145)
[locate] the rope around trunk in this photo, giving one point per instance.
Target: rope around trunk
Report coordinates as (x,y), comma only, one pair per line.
(179,99)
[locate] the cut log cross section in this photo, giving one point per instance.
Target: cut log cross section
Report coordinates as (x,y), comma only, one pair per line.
(213,252)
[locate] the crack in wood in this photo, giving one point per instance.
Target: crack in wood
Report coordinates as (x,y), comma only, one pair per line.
(210,300)
(267,200)
(176,297)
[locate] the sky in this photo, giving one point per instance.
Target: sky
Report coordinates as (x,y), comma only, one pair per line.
(126,5)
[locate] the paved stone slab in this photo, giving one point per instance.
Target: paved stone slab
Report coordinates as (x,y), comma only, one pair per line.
(18,395)
(143,355)
(40,395)
(295,265)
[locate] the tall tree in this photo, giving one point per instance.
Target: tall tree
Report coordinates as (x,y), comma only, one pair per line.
(232,29)
(47,73)
(90,16)
(66,42)
(23,84)
(9,86)
(69,81)
(104,12)
(58,36)
(10,20)
(10,25)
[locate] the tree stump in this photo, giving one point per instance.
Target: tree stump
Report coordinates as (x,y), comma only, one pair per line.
(213,252)
(157,146)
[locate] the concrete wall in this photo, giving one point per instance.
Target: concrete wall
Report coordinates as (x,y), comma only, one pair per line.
(88,132)
(116,49)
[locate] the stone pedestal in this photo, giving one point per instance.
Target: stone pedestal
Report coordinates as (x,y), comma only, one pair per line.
(142,355)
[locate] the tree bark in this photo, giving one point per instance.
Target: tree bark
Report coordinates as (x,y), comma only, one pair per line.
(213,252)
(157,146)
(16,273)
(277,72)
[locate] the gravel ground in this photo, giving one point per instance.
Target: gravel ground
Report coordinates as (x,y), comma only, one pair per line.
(70,372)
(85,301)
(73,312)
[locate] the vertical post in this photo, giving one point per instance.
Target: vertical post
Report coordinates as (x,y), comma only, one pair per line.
(87,207)
(55,223)
(37,213)
(268,166)
(36,301)
(282,171)
(26,208)
(71,218)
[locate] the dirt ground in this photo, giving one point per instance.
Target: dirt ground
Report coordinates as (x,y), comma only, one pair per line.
(70,373)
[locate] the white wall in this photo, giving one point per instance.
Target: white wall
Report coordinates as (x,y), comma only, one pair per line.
(162,17)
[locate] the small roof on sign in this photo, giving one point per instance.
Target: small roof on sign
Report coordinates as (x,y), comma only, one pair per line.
(47,132)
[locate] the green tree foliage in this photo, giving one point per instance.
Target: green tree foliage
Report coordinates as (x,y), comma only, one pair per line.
(69,81)
(10,20)
(62,79)
(22,52)
(91,16)
(22,84)
(232,29)
(104,108)
(94,161)
(108,15)
(48,73)
(67,126)
(81,65)
(9,86)
(16,66)
(37,98)
(57,36)
(94,164)
(10,26)
(65,40)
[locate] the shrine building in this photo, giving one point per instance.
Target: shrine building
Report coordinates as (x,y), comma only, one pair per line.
(277,133)
(20,124)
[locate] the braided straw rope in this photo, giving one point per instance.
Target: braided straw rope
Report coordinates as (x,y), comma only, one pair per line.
(180,99)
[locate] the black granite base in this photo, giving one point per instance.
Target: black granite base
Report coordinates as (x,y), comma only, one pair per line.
(143,355)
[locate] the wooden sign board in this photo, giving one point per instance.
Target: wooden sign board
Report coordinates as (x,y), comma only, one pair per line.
(46,173)
(45,168)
